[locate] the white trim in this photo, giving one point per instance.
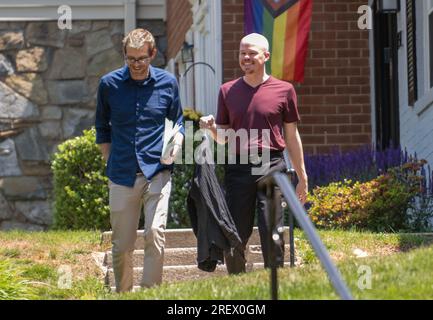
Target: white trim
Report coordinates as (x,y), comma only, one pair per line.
(152,9)
(425,92)
(372,80)
(207,48)
(130,16)
(189,80)
(421,52)
(424,103)
(47,3)
(218,42)
(402,65)
(170,66)
(46,10)
(186,83)
(427,9)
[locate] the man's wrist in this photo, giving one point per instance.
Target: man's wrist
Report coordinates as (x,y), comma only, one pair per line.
(303,178)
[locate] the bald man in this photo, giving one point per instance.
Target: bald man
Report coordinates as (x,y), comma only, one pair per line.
(256,102)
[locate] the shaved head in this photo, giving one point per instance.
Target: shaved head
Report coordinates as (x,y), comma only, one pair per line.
(257,40)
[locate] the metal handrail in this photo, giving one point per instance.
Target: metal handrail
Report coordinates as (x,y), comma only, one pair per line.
(304,221)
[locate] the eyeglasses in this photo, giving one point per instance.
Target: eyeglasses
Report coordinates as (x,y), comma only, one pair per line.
(141,60)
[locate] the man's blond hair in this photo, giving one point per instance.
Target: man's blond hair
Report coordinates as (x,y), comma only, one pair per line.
(137,38)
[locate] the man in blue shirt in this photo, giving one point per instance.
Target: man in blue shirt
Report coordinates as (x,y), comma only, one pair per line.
(132,105)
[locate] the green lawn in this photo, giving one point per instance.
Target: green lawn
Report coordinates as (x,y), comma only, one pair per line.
(400,265)
(404,275)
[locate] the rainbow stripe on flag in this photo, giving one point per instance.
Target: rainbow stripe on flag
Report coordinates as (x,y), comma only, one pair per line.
(286,25)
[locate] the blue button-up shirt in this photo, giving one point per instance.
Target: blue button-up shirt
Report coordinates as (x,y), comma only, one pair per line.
(131,116)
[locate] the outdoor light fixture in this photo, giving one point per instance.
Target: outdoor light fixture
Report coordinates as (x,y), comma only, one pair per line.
(388,6)
(187,52)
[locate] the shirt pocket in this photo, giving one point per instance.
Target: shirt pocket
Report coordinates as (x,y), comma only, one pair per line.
(122,112)
(157,107)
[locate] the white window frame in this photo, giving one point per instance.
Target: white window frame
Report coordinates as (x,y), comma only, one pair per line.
(425,93)
(427,10)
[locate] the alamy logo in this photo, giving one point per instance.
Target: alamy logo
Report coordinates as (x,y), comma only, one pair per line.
(65,277)
(364,280)
(65,20)
(365,20)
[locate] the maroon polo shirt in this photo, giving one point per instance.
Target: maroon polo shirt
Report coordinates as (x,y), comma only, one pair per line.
(266,106)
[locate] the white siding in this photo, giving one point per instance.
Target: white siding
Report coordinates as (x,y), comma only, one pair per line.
(416,123)
(207,48)
(200,87)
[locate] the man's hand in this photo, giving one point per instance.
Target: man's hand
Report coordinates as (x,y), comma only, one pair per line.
(207,122)
(105,150)
(302,191)
(170,159)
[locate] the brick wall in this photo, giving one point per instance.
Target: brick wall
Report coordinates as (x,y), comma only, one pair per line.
(179,20)
(233,31)
(334,100)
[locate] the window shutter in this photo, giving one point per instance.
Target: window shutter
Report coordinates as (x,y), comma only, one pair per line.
(411,51)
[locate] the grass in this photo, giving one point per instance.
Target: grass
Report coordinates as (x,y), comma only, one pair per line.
(341,244)
(32,266)
(39,258)
(406,275)
(13,286)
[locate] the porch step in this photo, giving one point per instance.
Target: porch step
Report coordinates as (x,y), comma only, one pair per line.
(182,238)
(180,256)
(182,273)
(188,256)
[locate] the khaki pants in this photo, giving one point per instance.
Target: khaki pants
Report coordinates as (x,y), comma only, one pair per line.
(125,208)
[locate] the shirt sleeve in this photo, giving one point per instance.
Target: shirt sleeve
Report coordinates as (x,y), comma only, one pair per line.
(290,111)
(222,117)
(175,112)
(102,117)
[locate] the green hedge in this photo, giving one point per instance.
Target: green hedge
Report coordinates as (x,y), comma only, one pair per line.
(80,185)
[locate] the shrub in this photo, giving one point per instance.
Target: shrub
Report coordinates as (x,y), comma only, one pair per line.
(80,185)
(420,212)
(388,210)
(181,181)
(340,204)
(380,204)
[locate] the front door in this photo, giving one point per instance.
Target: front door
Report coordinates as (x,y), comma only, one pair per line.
(386,44)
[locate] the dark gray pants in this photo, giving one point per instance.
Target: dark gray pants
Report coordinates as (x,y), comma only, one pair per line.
(243,197)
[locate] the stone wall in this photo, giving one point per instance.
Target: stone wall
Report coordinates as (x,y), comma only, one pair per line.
(48,83)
